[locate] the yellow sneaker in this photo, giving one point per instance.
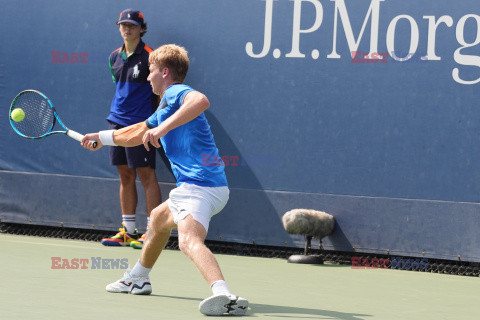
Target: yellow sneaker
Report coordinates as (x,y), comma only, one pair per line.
(138,244)
(122,238)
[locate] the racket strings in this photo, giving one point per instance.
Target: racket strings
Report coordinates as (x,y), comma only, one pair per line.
(39,117)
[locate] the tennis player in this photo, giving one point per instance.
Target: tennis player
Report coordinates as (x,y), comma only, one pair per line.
(179,126)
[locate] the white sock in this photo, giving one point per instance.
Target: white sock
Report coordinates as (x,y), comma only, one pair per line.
(129,221)
(139,270)
(219,287)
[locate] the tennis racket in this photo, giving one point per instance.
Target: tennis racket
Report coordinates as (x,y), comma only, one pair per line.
(40,117)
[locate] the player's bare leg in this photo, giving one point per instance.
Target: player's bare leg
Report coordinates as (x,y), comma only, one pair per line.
(161,224)
(137,281)
(191,238)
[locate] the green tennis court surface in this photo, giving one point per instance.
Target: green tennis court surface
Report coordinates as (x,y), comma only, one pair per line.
(31,289)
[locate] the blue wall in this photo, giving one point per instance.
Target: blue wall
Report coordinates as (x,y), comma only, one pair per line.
(387,146)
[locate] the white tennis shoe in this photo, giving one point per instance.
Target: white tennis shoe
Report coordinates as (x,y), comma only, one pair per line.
(129,284)
(224,304)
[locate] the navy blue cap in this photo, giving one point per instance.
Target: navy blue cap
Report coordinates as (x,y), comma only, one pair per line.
(131,16)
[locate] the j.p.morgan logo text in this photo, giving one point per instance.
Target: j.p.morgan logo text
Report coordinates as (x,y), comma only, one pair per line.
(436,26)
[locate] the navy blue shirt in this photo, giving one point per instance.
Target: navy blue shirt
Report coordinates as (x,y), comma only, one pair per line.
(134,100)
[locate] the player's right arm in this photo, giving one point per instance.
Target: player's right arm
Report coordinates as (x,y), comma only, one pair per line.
(130,136)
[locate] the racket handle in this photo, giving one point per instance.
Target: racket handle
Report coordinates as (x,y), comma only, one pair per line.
(78,136)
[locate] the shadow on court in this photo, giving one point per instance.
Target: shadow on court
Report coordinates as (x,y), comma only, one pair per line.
(272,311)
(296,312)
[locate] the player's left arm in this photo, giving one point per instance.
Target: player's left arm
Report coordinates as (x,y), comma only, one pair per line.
(194,103)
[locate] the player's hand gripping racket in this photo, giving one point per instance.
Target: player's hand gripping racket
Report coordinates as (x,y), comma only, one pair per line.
(33,116)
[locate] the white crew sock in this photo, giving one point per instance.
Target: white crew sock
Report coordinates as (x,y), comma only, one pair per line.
(219,287)
(139,270)
(129,221)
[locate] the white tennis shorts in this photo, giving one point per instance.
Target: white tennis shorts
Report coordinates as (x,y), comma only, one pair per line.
(201,202)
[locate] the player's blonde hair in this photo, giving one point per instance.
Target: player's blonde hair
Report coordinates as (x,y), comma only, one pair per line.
(173,57)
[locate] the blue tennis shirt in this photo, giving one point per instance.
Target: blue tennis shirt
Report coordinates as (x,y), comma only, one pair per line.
(186,146)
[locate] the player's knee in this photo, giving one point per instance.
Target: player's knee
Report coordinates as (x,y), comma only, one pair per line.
(188,244)
(159,221)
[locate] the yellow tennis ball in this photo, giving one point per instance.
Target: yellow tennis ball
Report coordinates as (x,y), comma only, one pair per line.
(17,115)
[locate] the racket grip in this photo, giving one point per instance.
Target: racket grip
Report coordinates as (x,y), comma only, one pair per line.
(78,136)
